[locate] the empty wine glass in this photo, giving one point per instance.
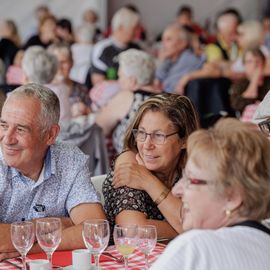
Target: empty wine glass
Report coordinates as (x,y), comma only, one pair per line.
(22,237)
(125,239)
(48,233)
(96,235)
(147,239)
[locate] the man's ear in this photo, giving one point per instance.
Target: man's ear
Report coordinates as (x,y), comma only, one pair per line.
(52,134)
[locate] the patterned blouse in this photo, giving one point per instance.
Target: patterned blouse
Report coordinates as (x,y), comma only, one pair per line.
(125,198)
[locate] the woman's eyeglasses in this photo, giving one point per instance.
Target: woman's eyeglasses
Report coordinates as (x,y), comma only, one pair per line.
(265,127)
(156,137)
(191,183)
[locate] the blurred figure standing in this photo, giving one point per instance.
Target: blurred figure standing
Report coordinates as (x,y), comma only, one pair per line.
(104,60)
(82,52)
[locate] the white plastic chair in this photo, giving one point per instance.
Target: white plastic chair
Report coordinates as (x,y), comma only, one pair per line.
(97,182)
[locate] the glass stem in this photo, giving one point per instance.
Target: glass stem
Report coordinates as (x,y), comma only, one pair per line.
(126,262)
(49,257)
(96,256)
(146,261)
(24,262)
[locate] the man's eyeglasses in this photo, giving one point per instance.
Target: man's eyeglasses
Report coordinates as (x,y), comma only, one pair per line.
(265,127)
(156,137)
(193,182)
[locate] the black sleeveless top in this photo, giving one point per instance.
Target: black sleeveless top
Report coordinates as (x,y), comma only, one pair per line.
(253,224)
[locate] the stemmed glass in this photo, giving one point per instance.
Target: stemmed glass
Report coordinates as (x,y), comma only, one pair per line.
(48,233)
(22,237)
(125,239)
(147,239)
(96,235)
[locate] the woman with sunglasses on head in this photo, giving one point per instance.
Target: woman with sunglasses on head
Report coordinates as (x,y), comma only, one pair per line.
(138,190)
(228,169)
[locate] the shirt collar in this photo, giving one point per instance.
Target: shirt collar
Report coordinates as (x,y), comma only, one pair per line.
(48,163)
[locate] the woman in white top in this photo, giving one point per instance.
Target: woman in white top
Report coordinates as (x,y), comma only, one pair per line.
(225,191)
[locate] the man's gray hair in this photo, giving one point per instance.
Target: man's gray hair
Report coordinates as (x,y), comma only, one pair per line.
(139,65)
(124,17)
(38,65)
(50,106)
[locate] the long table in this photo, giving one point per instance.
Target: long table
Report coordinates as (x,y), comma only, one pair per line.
(64,259)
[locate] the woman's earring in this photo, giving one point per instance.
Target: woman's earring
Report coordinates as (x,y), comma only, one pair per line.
(228,212)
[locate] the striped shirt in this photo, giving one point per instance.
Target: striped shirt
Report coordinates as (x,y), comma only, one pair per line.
(230,248)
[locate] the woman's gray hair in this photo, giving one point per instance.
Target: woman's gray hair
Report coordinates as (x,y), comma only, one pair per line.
(124,17)
(50,106)
(38,65)
(62,48)
(139,65)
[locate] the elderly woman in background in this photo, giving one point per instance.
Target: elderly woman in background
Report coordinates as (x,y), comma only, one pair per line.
(77,92)
(40,66)
(138,191)
(225,190)
(255,86)
(136,76)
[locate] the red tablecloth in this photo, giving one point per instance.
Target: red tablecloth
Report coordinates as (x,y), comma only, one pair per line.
(63,258)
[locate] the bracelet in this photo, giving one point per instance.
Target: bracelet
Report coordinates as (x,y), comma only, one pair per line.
(163,195)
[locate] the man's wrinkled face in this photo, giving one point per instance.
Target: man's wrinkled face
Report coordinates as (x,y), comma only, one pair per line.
(21,139)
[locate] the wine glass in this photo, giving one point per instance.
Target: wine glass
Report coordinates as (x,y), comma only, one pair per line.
(125,239)
(147,239)
(22,237)
(48,233)
(96,235)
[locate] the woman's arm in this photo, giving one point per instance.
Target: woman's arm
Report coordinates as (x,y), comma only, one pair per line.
(116,109)
(129,173)
(164,229)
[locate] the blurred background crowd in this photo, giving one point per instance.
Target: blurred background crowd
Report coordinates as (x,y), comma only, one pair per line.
(222,64)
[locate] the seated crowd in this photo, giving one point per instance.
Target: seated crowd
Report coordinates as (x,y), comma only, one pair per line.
(207,190)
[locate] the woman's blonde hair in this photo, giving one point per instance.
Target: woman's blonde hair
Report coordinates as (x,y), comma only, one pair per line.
(179,110)
(238,157)
(253,33)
